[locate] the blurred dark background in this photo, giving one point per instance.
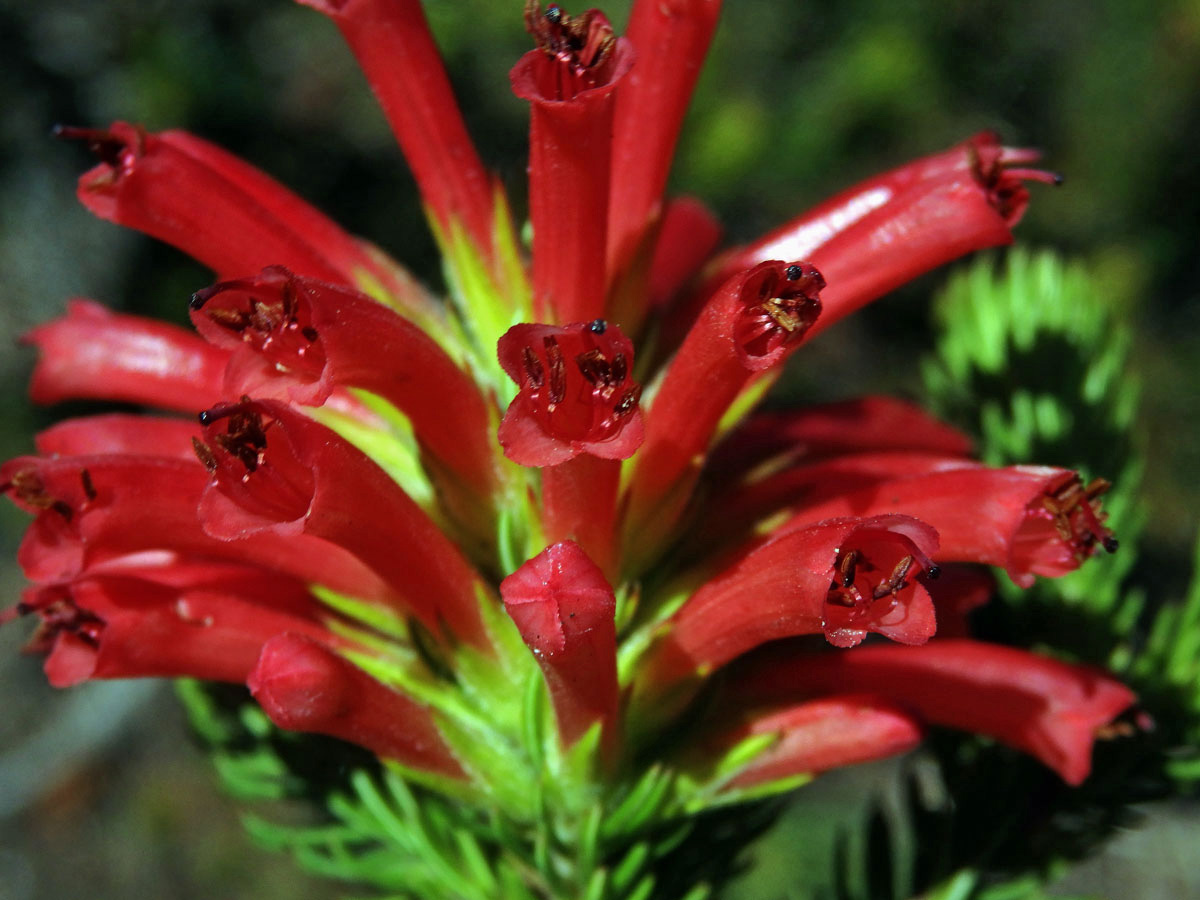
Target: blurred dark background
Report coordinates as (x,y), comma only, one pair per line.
(100,793)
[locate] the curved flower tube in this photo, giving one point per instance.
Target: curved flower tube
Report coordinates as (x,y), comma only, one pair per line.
(119,624)
(1049,709)
(120,434)
(1029,520)
(397,53)
(753,323)
(93,511)
(224,212)
(671,38)
(274,471)
(861,425)
(94,353)
(570,80)
(305,686)
(842,578)
(819,735)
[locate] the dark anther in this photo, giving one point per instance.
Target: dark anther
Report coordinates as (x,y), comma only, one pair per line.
(593,365)
(204,454)
(197,301)
(628,401)
(206,418)
(533,368)
(310,333)
(847,567)
(89,489)
(1111,544)
(933,573)
(1059,178)
(553,14)
(597,326)
(793,272)
(558,370)
(620,368)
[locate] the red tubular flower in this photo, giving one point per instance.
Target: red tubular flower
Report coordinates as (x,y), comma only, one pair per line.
(93,511)
(304,686)
(1049,709)
(828,429)
(671,38)
(959,590)
(119,433)
(393,44)
(563,607)
(275,471)
(576,393)
(750,325)
(890,229)
(740,504)
(842,578)
(825,734)
(569,80)
(687,236)
(224,212)
(209,621)
(297,338)
(1031,520)
(93,353)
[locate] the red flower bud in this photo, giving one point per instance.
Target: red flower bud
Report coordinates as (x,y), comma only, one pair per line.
(564,607)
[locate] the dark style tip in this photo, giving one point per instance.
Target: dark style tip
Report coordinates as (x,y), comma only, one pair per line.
(793,272)
(597,326)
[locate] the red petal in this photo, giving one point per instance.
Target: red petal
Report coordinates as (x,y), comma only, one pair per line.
(131,627)
(132,504)
(576,394)
(120,433)
(846,426)
(819,735)
(751,324)
(393,44)
(671,38)
(1047,708)
(93,353)
(304,686)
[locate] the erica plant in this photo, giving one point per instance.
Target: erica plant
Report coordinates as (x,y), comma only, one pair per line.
(530,546)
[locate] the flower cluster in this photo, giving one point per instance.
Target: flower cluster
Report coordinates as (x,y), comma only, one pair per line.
(365,502)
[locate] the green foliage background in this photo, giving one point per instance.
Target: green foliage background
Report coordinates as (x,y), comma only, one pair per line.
(798,100)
